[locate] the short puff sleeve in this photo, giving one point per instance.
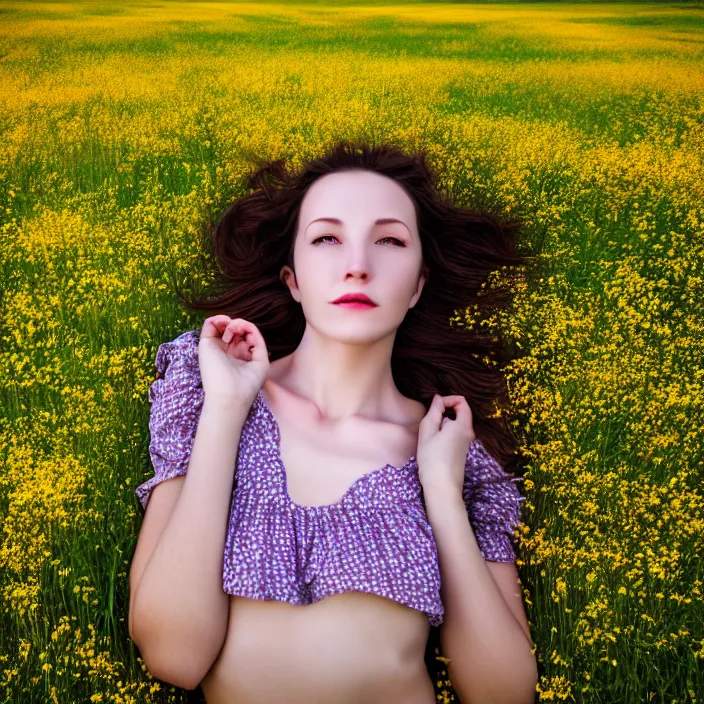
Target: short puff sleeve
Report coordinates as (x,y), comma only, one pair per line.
(493,504)
(176,397)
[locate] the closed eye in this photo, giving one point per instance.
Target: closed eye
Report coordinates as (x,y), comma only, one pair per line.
(325,237)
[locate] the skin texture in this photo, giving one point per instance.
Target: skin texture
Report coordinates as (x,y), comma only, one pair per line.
(334,389)
(343,363)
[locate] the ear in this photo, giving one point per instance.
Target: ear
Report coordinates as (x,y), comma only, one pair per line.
(288,278)
(422,280)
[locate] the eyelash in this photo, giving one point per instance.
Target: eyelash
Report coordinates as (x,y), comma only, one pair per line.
(323,237)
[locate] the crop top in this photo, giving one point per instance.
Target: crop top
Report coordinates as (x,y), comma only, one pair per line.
(375,539)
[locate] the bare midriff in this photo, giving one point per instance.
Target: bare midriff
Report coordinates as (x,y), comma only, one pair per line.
(344,649)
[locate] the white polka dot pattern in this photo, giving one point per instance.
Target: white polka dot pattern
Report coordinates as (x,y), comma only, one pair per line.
(375,539)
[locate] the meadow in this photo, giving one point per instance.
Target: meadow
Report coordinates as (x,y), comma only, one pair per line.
(126,126)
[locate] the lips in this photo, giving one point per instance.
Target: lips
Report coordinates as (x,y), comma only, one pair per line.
(355,298)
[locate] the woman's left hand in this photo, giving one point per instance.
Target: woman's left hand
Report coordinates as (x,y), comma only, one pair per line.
(443,445)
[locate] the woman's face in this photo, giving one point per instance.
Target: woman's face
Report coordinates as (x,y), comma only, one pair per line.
(356,233)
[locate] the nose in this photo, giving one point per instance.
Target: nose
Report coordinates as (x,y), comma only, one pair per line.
(357,270)
(356,273)
(357,264)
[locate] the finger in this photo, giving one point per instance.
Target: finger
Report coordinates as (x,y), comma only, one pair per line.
(431,421)
(437,406)
(454,400)
(259,350)
(214,325)
(236,332)
(463,413)
(236,328)
(232,330)
(458,403)
(247,334)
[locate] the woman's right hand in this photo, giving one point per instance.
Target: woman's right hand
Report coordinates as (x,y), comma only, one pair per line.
(233,359)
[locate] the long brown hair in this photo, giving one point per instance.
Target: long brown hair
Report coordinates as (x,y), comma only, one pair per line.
(254,238)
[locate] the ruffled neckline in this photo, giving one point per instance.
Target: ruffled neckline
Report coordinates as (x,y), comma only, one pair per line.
(351,490)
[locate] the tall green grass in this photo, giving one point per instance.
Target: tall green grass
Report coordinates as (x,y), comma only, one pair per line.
(124,127)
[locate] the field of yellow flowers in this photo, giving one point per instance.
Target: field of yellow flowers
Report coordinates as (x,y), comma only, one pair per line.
(126,125)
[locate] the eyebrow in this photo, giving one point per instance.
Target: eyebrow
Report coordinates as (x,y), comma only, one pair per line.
(380,221)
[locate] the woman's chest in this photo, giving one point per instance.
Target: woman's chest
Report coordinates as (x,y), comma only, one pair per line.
(348,647)
(319,462)
(375,538)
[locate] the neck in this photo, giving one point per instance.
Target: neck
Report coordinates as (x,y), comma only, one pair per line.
(343,379)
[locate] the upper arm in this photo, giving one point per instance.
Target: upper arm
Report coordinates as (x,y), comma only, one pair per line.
(505,575)
(200,657)
(159,510)
(493,504)
(176,398)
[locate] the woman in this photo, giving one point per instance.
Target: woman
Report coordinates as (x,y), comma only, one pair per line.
(313,542)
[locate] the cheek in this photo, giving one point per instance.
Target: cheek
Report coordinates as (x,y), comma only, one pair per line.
(313,281)
(405,282)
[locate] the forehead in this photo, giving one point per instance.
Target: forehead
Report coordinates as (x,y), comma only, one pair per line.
(357,194)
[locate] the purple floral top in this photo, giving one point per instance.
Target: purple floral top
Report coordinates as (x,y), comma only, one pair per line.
(375,539)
